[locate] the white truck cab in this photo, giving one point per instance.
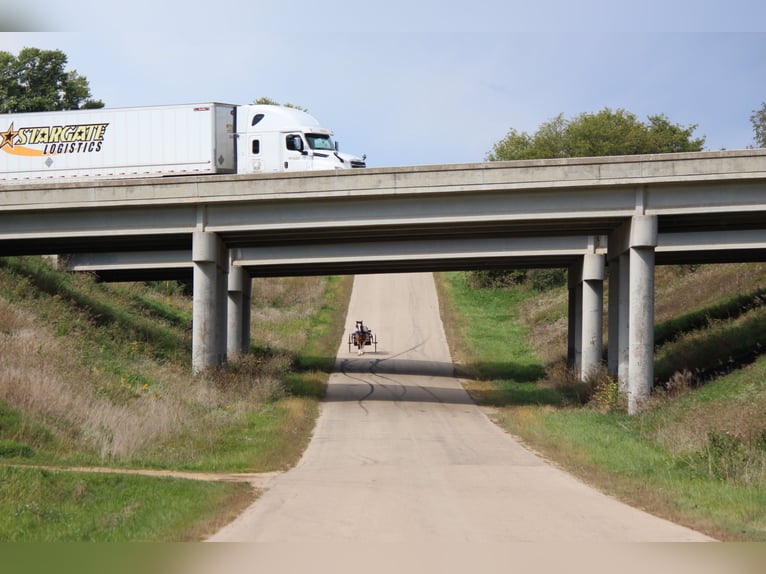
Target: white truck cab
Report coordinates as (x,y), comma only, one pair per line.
(275,138)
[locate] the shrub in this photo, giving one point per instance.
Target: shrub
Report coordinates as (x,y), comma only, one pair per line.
(496,278)
(538,279)
(680,383)
(547,279)
(12,449)
(727,456)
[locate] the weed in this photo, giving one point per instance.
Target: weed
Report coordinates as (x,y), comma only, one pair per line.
(725,454)
(13,449)
(760,441)
(606,396)
(729,457)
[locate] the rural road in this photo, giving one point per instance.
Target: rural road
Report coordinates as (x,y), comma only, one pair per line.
(400,453)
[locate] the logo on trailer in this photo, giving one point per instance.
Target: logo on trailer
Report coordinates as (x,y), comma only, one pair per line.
(53,140)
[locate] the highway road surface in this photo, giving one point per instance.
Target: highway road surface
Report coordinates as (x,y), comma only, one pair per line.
(401,454)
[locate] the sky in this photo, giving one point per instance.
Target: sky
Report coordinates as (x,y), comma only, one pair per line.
(419,82)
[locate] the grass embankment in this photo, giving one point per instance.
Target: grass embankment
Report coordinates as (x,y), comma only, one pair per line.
(99,375)
(696,455)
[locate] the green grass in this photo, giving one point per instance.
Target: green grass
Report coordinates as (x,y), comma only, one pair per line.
(698,459)
(270,438)
(324,328)
(54,506)
(110,316)
(496,345)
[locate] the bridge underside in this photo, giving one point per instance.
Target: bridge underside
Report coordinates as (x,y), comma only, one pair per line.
(624,214)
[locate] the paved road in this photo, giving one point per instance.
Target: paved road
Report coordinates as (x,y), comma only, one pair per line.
(400,453)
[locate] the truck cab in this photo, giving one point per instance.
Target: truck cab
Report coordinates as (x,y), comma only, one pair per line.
(276,138)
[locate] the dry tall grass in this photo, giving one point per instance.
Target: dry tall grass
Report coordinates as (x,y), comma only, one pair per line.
(678,289)
(51,381)
(681,288)
(38,377)
(280,303)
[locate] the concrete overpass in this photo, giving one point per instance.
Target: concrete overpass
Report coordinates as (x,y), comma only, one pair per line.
(632,211)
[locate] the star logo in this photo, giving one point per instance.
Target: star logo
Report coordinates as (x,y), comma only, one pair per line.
(8,137)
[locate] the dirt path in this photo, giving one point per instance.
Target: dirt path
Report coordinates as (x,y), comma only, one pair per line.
(259,480)
(400,453)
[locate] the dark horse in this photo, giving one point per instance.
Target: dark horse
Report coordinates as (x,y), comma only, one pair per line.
(361,336)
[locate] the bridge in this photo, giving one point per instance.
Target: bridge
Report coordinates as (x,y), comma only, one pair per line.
(626,214)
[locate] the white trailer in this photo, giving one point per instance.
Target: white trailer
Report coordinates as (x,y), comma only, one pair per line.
(207,138)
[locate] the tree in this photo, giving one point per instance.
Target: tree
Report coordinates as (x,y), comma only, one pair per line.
(758,120)
(36,81)
(270,102)
(604,133)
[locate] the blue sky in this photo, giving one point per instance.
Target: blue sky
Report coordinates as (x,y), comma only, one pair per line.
(421,82)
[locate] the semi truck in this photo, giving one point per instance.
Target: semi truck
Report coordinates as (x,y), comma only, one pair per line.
(170,140)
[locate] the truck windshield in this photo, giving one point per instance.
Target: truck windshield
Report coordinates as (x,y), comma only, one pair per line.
(320,141)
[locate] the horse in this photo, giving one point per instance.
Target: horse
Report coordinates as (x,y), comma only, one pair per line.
(361,337)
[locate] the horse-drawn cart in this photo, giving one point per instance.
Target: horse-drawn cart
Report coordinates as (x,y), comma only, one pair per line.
(361,337)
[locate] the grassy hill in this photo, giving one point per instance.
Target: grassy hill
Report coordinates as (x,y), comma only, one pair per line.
(98,375)
(697,454)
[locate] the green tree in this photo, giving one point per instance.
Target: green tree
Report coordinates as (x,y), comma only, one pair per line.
(604,133)
(270,102)
(37,80)
(758,120)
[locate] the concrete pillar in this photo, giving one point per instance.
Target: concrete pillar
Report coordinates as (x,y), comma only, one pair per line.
(247,308)
(592,339)
(221,315)
(206,256)
(612,354)
(619,291)
(622,319)
(238,331)
(643,240)
(573,322)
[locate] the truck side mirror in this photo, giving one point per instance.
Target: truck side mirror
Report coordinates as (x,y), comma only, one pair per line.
(294,143)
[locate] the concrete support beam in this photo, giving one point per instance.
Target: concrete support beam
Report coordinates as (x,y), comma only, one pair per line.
(613,331)
(574,314)
(221,316)
(208,314)
(619,292)
(128,261)
(239,294)
(247,299)
(632,253)
(592,339)
(622,318)
(643,240)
